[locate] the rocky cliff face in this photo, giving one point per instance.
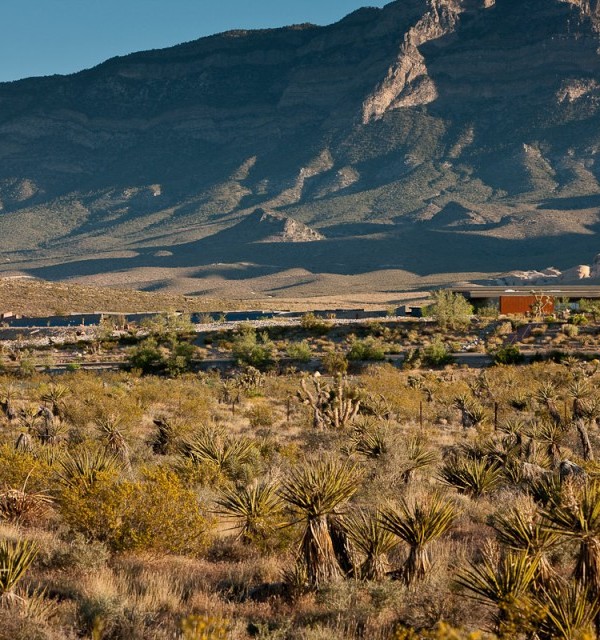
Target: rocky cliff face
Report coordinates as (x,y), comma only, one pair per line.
(374,127)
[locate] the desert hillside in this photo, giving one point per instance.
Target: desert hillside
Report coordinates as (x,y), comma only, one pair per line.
(429,138)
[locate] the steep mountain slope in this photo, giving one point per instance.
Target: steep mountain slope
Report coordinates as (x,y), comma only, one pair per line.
(432,136)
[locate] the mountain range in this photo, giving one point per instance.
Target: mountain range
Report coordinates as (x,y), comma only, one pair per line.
(426,141)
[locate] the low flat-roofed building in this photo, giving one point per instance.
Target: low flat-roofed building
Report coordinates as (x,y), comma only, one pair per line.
(520,299)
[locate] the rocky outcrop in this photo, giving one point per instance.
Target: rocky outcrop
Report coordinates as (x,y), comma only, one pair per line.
(407,83)
(267,226)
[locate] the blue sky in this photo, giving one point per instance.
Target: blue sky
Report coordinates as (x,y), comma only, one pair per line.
(42,37)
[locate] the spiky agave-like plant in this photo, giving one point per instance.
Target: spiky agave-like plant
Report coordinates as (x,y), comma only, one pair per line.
(81,469)
(473,477)
(577,516)
(223,453)
(504,585)
(15,559)
(419,523)
(567,612)
(418,456)
(55,397)
(372,541)
(547,396)
(315,492)
(254,509)
(112,433)
(523,530)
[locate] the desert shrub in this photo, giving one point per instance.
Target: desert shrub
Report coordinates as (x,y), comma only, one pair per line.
(314,325)
(148,357)
(488,311)
(578,319)
(335,362)
(251,349)
(157,512)
(20,468)
(167,325)
(437,354)
(368,349)
(299,351)
(510,354)
(205,628)
(260,416)
(504,328)
(570,330)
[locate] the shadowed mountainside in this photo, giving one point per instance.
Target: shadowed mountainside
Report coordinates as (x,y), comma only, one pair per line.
(432,136)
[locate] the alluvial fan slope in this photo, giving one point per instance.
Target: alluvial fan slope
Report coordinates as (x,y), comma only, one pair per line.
(430,136)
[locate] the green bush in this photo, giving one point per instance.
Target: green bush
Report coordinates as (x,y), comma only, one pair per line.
(368,349)
(334,362)
(251,349)
(311,323)
(451,310)
(299,351)
(437,354)
(511,354)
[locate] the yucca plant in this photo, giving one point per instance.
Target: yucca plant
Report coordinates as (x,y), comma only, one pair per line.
(15,559)
(505,585)
(547,397)
(515,429)
(579,391)
(113,437)
(523,530)
(255,509)
(315,492)
(568,612)
(21,506)
(370,441)
(55,398)
(577,517)
(551,435)
(418,456)
(372,541)
(471,477)
(546,490)
(224,454)
(419,523)
(81,469)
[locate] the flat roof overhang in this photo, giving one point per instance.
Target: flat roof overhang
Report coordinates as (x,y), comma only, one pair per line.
(571,291)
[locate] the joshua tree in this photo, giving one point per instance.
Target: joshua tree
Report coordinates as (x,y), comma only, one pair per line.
(419,524)
(316,492)
(332,406)
(254,509)
(373,542)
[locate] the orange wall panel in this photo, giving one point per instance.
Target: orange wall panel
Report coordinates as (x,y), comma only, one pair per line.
(522,304)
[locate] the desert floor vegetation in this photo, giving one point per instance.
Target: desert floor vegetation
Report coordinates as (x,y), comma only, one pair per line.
(352,502)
